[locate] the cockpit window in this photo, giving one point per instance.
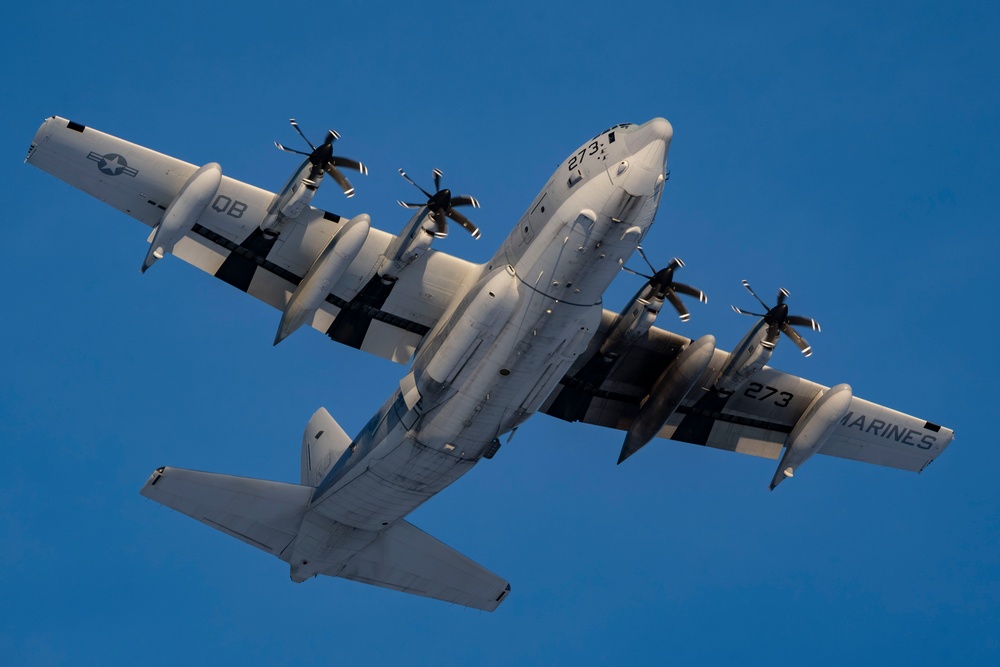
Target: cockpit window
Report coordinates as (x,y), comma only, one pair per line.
(613,127)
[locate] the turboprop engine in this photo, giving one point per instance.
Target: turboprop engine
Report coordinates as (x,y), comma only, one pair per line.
(754,351)
(180,216)
(635,321)
(298,192)
(428,223)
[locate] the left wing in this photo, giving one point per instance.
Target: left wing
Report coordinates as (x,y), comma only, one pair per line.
(388,320)
(757,419)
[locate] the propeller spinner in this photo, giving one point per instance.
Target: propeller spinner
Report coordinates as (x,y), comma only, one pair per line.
(441,205)
(664,286)
(323,159)
(780,322)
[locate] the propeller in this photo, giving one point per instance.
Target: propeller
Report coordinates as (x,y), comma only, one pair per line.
(780,322)
(441,205)
(664,286)
(323,159)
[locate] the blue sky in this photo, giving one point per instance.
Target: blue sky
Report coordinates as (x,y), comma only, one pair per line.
(845,151)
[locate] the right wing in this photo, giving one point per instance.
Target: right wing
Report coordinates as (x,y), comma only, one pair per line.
(226,242)
(757,419)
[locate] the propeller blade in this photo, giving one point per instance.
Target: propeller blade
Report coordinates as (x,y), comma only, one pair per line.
(464,200)
(437,179)
(289,150)
(645,259)
(750,289)
(344,184)
(349,164)
(803,322)
(301,134)
(782,295)
(678,304)
(411,182)
(408,204)
(745,312)
(331,136)
(465,222)
(691,291)
(796,338)
(636,273)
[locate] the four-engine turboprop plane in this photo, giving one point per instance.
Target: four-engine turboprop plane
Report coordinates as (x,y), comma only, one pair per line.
(490,344)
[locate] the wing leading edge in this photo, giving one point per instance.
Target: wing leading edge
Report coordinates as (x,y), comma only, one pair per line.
(756,419)
(226,241)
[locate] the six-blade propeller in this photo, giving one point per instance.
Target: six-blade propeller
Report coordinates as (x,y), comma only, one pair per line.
(441,205)
(780,322)
(664,286)
(323,159)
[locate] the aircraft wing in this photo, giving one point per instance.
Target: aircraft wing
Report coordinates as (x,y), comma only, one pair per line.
(756,419)
(360,311)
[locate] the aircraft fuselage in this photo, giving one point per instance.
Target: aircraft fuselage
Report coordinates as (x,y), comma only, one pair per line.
(494,358)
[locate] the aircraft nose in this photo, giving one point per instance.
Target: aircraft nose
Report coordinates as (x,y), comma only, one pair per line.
(649,143)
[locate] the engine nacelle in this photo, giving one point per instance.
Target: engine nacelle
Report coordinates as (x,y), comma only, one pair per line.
(328,268)
(747,358)
(300,197)
(667,393)
(413,241)
(294,196)
(189,204)
(632,324)
(813,429)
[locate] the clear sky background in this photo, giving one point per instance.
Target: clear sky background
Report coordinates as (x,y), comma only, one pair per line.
(845,151)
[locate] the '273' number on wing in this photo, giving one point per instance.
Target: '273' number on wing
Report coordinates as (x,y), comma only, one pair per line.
(759,392)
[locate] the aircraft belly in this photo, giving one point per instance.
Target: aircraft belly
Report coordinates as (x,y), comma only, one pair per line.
(396,480)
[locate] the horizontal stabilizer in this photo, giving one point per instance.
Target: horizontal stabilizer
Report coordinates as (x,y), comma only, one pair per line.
(405,558)
(264,514)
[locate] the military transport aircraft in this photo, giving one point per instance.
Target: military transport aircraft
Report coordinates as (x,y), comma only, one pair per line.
(487,345)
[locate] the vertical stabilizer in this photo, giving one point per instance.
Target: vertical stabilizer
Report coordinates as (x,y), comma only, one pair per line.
(323,443)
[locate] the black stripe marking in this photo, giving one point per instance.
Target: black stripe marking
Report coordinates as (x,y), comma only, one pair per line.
(333,299)
(696,427)
(76,127)
(698,418)
(351,324)
(239,268)
(574,400)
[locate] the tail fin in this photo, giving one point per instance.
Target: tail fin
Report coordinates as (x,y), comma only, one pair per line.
(263,514)
(323,443)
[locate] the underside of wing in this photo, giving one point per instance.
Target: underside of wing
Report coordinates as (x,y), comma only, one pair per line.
(387,318)
(758,418)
